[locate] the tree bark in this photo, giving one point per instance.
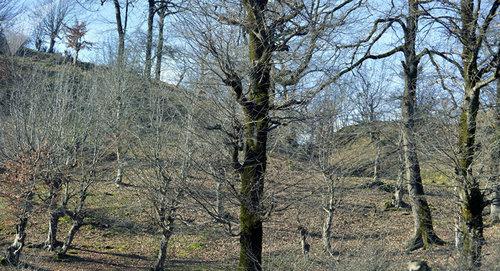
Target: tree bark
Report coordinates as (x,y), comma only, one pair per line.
(424,231)
(326,235)
(52,44)
(256,113)
(75,59)
(495,163)
(376,163)
(14,250)
(75,227)
(120,28)
(159,45)
(119,165)
(162,252)
(149,39)
(399,191)
(51,243)
(471,199)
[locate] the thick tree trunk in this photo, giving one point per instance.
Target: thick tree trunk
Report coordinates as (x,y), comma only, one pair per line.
(256,111)
(14,250)
(162,252)
(471,199)
(159,45)
(51,243)
(149,39)
(424,231)
(75,59)
(120,28)
(52,44)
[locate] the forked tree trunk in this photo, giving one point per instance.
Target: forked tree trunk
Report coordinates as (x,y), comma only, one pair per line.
(159,45)
(424,234)
(78,218)
(256,113)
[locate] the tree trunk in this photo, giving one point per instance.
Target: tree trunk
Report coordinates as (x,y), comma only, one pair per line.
(149,39)
(495,163)
(399,191)
(75,59)
(495,206)
(162,253)
(75,227)
(326,235)
(159,45)
(120,56)
(55,214)
(119,166)
(256,113)
(52,43)
(376,163)
(303,241)
(424,231)
(51,243)
(471,199)
(376,166)
(218,200)
(14,250)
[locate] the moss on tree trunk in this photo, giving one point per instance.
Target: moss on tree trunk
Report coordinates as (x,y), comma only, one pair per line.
(256,110)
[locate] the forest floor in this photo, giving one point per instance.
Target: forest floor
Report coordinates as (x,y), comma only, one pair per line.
(366,237)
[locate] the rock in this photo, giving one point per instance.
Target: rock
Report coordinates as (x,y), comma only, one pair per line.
(418,266)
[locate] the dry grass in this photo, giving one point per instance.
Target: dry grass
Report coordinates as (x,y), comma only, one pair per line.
(366,236)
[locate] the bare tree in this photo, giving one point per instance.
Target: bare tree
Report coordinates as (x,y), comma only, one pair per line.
(164,9)
(54,20)
(470,23)
(408,22)
(165,149)
(121,19)
(271,29)
(9,9)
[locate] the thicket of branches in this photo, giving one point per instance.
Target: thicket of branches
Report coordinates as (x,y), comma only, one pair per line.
(194,124)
